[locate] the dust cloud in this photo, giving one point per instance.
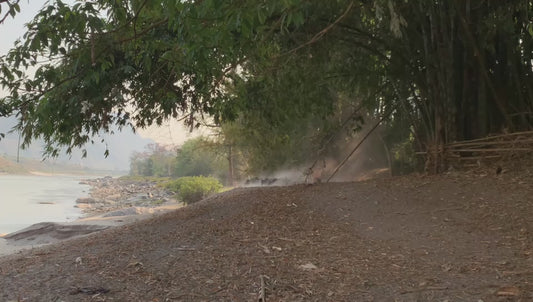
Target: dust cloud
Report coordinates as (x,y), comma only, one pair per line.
(369,160)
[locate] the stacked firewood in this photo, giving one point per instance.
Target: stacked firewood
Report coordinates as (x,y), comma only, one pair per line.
(489,150)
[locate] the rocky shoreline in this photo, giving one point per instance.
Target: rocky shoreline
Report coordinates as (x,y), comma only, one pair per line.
(108,194)
(111,202)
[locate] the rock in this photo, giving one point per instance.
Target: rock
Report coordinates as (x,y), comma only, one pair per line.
(129,211)
(137,198)
(108,194)
(308,266)
(85,200)
(54,230)
(83,206)
(116,196)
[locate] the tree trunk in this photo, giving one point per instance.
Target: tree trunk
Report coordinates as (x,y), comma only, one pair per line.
(231,180)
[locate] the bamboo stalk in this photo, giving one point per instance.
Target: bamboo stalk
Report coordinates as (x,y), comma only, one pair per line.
(478,157)
(493,150)
(489,143)
(495,136)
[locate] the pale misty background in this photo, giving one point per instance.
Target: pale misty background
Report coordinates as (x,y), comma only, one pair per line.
(121,144)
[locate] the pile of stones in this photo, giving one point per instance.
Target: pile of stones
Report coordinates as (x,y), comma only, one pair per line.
(109,194)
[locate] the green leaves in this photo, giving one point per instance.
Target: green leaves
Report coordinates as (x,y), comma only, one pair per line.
(193,189)
(12,9)
(279,67)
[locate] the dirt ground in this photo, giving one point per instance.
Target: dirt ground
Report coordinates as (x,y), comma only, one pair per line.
(453,237)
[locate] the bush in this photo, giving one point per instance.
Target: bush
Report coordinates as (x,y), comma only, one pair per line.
(194,188)
(200,157)
(404,159)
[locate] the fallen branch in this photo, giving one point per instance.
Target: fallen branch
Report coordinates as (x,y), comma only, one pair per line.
(360,143)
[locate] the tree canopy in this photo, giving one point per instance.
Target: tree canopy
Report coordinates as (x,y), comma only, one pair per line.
(435,71)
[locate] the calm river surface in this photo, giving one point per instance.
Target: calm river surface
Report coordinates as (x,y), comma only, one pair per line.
(25,200)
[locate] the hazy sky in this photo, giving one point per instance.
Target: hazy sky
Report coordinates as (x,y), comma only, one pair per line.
(171,132)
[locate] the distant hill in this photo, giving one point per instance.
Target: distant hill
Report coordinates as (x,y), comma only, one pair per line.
(7,166)
(29,166)
(121,145)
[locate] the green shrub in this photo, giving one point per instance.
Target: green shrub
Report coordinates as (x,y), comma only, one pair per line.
(404,159)
(194,188)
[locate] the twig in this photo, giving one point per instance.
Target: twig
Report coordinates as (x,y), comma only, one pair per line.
(424,289)
(262,295)
(143,32)
(515,273)
(286,239)
(9,7)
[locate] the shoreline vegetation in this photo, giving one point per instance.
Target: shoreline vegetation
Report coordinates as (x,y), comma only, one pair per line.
(110,202)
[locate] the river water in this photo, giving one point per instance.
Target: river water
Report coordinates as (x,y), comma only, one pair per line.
(29,199)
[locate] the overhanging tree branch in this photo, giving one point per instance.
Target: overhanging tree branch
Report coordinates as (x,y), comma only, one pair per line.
(13,8)
(321,33)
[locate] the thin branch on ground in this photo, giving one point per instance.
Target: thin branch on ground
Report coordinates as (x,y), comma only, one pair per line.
(262,292)
(428,288)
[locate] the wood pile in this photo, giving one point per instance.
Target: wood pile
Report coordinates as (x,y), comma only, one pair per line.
(489,150)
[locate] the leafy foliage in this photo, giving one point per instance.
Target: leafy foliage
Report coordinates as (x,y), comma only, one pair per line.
(200,157)
(8,8)
(194,188)
(196,157)
(163,58)
(155,161)
(284,75)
